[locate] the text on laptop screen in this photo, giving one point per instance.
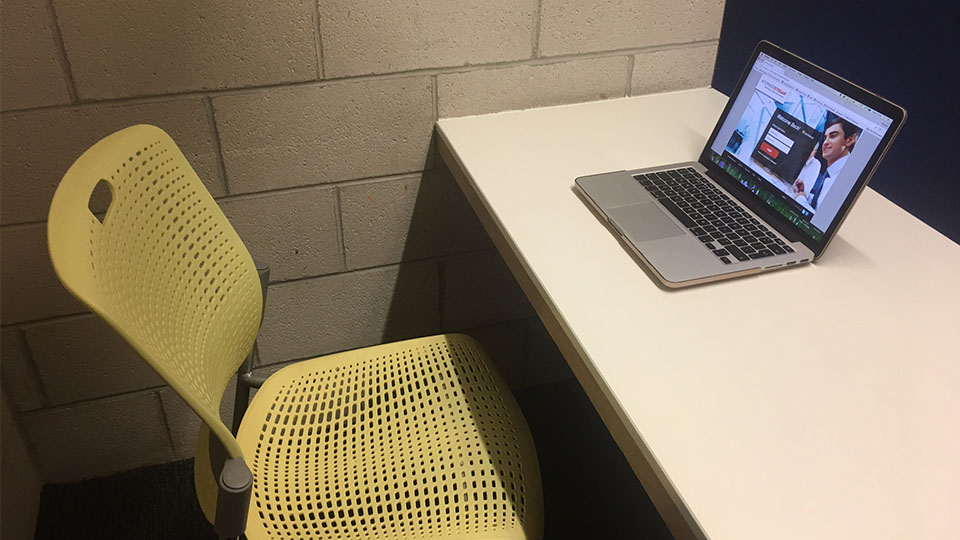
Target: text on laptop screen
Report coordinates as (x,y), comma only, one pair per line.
(796,143)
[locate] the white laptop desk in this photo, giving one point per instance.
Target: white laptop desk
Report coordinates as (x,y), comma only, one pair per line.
(815,402)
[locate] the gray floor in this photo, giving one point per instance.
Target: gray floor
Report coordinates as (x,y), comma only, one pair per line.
(589,490)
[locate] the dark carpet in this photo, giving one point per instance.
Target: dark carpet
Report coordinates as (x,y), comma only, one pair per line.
(149,503)
(589,489)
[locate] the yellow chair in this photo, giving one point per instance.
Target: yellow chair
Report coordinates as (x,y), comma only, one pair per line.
(418,439)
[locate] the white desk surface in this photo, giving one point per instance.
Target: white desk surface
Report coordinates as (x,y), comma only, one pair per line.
(816,402)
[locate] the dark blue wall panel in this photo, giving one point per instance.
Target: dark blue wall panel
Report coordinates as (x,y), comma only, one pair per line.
(908,52)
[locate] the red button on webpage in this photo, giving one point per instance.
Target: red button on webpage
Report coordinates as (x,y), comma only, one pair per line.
(769,150)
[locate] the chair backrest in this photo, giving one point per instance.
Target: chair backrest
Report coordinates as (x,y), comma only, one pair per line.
(164,267)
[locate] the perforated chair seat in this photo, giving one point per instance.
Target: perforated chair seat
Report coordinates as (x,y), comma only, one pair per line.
(417,439)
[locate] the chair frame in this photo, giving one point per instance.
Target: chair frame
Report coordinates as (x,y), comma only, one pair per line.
(217,474)
(234,478)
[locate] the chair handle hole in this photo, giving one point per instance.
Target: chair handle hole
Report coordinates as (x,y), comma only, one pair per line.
(100,199)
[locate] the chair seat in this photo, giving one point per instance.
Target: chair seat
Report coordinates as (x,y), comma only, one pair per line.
(416,439)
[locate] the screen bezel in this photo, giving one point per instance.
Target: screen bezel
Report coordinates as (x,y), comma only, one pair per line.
(895,112)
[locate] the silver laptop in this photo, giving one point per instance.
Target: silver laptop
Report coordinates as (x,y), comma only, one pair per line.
(791,152)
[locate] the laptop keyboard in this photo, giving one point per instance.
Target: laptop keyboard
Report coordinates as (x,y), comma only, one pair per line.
(718,221)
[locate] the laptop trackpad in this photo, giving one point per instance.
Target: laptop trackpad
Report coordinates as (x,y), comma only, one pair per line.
(643,222)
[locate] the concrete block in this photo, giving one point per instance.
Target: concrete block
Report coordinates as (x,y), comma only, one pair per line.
(163,47)
(31,75)
(544,363)
(18,382)
(29,289)
(97,438)
(574,26)
(410,218)
(673,69)
(38,147)
(286,137)
(504,344)
(312,317)
(293,232)
(22,483)
(184,423)
(82,358)
(269,370)
(369,36)
(479,289)
(521,87)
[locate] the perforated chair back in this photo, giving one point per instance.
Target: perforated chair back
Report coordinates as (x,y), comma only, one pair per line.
(164,267)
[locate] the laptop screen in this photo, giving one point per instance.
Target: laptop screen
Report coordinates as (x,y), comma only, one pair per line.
(797,144)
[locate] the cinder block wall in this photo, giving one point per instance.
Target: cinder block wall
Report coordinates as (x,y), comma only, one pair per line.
(312,124)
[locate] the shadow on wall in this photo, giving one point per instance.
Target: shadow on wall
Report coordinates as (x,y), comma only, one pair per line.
(451,264)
